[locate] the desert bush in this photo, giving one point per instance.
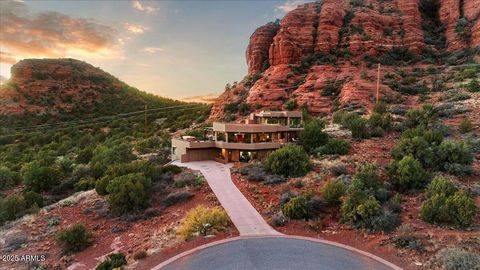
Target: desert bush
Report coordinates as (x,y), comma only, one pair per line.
(312,135)
(333,190)
(406,239)
(104,156)
(359,128)
(278,220)
(394,204)
(339,169)
(421,144)
(253,172)
(39,178)
(11,208)
(473,86)
(74,238)
(425,116)
(367,177)
(289,161)
(185,179)
(358,207)
(102,184)
(407,174)
(15,242)
(85,184)
(274,179)
(297,208)
(458,259)
(113,261)
(129,193)
(466,126)
(33,198)
(333,147)
(8,178)
(202,221)
(455,152)
(177,197)
(383,121)
(447,205)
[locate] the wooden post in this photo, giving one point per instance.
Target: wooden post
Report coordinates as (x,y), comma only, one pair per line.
(145,125)
(378,83)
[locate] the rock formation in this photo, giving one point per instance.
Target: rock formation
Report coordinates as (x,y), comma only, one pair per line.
(339,42)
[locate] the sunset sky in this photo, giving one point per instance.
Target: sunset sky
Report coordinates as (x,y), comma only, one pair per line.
(177,49)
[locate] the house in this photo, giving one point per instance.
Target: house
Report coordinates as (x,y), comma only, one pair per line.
(253,138)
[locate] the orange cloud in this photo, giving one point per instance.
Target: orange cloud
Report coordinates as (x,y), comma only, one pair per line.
(51,34)
(208,98)
(135,28)
(143,7)
(7,58)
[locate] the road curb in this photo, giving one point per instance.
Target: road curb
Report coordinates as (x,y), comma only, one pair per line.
(238,238)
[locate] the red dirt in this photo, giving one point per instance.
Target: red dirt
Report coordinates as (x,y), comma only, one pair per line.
(154,232)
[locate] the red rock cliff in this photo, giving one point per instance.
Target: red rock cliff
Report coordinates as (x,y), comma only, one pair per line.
(347,33)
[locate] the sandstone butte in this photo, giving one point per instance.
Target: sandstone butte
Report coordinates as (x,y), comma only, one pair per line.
(369,28)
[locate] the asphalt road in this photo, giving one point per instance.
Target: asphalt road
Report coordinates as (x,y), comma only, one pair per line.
(275,254)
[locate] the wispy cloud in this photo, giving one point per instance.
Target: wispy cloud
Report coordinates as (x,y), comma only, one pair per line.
(7,58)
(289,5)
(144,7)
(207,98)
(135,28)
(152,50)
(51,34)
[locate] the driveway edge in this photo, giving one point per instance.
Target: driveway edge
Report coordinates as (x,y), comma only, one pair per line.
(316,240)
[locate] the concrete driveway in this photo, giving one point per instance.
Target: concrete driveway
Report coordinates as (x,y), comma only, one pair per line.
(279,253)
(243,215)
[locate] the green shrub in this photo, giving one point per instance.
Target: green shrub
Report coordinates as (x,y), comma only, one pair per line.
(407,174)
(202,221)
(466,126)
(359,128)
(8,178)
(423,117)
(383,121)
(11,208)
(113,261)
(440,185)
(446,205)
(297,208)
(291,105)
(454,152)
(74,238)
(359,206)
(334,147)
(289,161)
(39,178)
(312,135)
(104,156)
(85,184)
(102,184)
(129,193)
(473,86)
(333,190)
(32,198)
(459,259)
(367,177)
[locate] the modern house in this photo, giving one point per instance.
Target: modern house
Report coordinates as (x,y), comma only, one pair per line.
(253,138)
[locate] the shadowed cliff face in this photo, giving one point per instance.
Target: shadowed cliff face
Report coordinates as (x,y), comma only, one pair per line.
(339,42)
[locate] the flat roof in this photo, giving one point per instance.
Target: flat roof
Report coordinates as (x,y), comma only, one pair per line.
(295,114)
(249,128)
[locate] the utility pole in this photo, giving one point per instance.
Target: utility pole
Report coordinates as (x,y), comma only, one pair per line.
(145,125)
(378,83)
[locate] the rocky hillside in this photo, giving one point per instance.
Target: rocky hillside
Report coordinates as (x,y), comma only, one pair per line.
(324,55)
(68,87)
